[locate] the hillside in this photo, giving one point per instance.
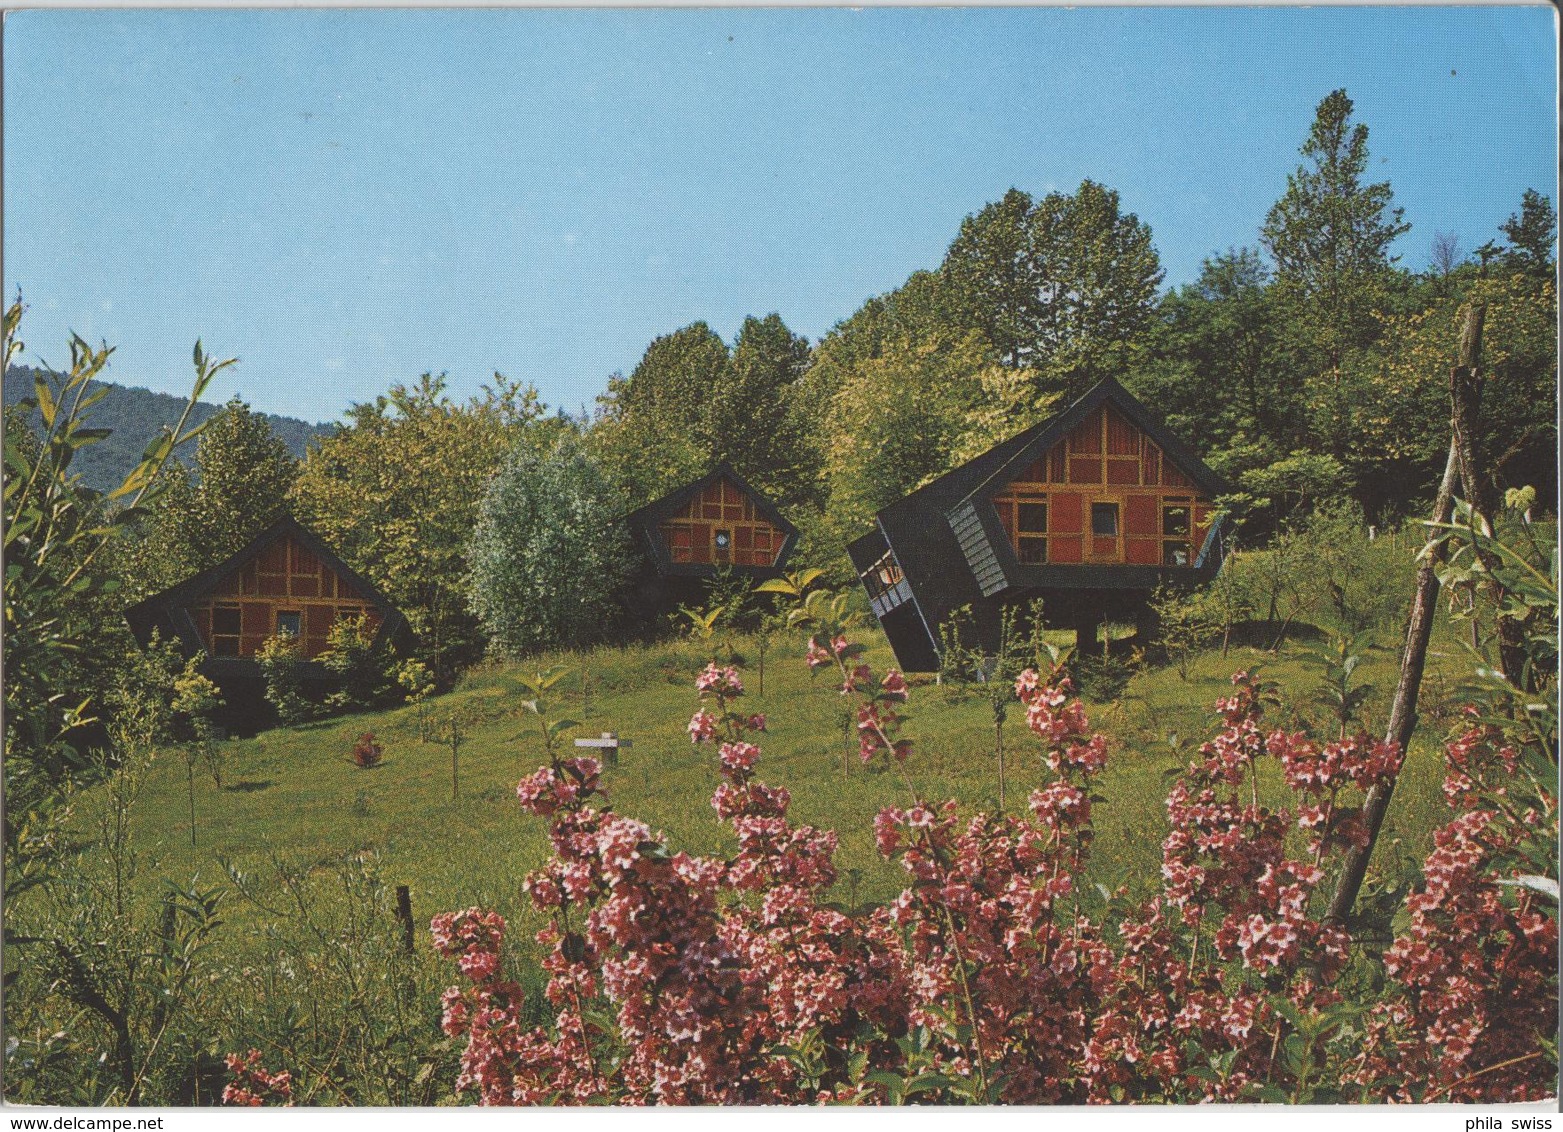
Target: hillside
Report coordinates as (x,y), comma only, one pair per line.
(135,414)
(294,794)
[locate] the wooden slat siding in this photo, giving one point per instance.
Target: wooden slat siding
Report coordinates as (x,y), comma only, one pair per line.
(690,535)
(1105,459)
(974,543)
(285,577)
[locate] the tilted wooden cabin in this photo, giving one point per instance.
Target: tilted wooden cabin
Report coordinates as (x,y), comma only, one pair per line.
(689,535)
(284,580)
(1090,510)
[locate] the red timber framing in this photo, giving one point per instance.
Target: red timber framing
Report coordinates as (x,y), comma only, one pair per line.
(1105,494)
(285,587)
(721,525)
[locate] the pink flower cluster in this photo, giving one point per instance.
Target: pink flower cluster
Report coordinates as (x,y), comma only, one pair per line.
(550,789)
(1061,724)
(252,1086)
(818,655)
(1218,969)
(720,682)
(1478,958)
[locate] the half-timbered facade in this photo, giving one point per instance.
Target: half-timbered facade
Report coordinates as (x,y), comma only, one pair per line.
(1090,510)
(284,581)
(718,522)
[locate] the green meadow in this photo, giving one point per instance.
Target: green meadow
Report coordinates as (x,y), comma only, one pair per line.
(457,837)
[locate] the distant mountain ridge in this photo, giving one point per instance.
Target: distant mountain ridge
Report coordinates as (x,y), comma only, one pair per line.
(135,415)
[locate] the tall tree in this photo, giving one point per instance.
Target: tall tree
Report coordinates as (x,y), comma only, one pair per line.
(1062,286)
(897,420)
(1218,370)
(396,492)
(1532,238)
(650,430)
(693,402)
(753,418)
(243,473)
(1330,236)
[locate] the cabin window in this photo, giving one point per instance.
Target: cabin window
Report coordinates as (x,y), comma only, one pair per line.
(1031,533)
(290,621)
(882,577)
(226,623)
(1022,511)
(723,542)
(1175,549)
(1104,520)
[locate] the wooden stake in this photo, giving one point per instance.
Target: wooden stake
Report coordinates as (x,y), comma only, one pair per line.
(1419,629)
(404,914)
(998,739)
(1465,386)
(455,751)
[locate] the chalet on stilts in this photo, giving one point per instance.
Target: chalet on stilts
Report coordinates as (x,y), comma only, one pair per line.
(284,580)
(690,535)
(1090,510)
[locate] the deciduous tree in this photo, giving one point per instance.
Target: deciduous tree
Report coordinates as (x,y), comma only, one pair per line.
(397,491)
(547,556)
(1062,285)
(1330,236)
(243,473)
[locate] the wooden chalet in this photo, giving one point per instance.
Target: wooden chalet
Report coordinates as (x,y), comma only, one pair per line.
(1090,510)
(284,580)
(691,534)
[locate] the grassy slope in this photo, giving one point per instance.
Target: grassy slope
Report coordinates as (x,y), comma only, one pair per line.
(294,793)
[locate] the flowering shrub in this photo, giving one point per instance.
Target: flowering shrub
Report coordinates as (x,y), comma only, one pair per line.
(252,1085)
(1478,958)
(366,752)
(681,979)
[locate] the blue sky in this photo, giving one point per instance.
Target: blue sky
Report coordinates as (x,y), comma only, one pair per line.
(345,199)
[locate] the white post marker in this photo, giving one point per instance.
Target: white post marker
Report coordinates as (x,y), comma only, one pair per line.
(609,744)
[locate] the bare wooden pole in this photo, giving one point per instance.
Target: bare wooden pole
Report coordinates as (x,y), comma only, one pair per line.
(1480,489)
(1419,629)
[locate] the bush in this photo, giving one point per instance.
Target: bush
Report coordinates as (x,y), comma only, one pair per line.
(548,556)
(282,667)
(366,752)
(361,670)
(1185,624)
(1355,583)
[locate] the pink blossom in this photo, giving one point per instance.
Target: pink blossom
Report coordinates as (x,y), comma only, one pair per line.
(702,727)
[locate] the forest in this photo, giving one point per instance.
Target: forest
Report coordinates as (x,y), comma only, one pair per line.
(1012,945)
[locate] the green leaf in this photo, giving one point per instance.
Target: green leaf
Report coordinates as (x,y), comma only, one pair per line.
(931,1081)
(47,408)
(1544,885)
(894,1087)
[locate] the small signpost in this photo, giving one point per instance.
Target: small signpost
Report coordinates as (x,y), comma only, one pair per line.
(609,744)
